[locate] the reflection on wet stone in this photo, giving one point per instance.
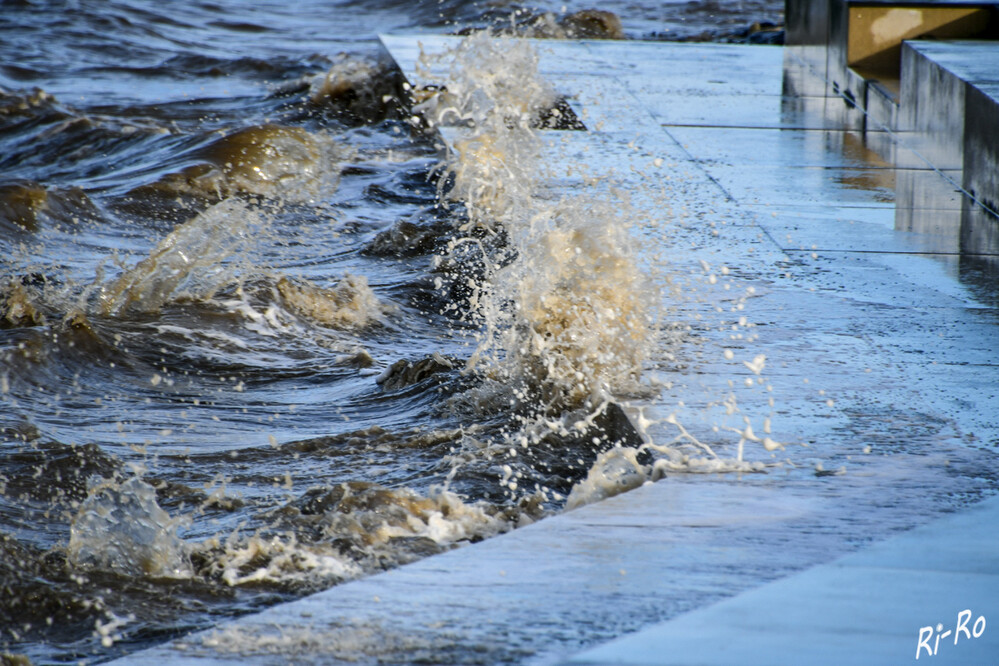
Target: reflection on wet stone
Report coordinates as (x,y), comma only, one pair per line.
(946,108)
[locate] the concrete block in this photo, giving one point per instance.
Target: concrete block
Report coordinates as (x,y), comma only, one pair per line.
(979,230)
(931,95)
(806,22)
(981,141)
(881,103)
(950,115)
(807,35)
(804,71)
(837,72)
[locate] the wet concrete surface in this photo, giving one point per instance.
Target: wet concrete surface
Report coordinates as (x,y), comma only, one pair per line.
(925,594)
(880,345)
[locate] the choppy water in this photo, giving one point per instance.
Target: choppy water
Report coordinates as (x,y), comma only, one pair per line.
(247,351)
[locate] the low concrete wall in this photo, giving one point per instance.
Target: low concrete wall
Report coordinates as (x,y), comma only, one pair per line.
(931,95)
(941,96)
(979,232)
(950,111)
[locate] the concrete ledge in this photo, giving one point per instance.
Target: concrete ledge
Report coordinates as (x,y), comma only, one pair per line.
(898,600)
(950,113)
(931,96)
(981,140)
(876,31)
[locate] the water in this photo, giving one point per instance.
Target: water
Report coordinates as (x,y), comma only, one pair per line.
(261,335)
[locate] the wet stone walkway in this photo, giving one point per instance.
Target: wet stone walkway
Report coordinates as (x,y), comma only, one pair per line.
(926,594)
(880,354)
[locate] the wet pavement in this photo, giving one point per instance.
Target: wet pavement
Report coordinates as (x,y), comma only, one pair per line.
(925,594)
(880,345)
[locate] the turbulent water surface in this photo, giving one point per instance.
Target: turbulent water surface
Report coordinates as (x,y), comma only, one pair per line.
(261,334)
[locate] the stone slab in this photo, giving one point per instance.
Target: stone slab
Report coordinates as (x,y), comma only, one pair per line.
(828,148)
(973,61)
(881,605)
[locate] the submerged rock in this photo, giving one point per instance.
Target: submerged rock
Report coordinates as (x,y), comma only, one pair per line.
(759,32)
(407,239)
(608,428)
(592,24)
(584,24)
(358,90)
(406,373)
(560,457)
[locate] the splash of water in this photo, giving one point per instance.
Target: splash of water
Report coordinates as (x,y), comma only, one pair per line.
(567,315)
(190,257)
(494,91)
(615,471)
(268,560)
(18,306)
(212,251)
(569,320)
(582,324)
(349,304)
(353,528)
(121,528)
(330,534)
